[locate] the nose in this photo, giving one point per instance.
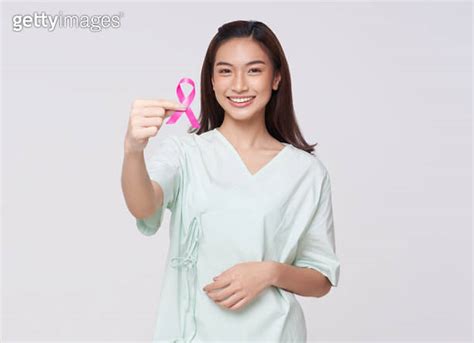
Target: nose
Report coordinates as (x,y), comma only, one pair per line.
(239,84)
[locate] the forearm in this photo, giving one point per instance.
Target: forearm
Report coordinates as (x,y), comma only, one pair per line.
(302,281)
(137,186)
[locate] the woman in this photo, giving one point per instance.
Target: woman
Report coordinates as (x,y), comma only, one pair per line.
(251,220)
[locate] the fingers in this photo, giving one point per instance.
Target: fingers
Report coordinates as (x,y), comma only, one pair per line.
(149,112)
(222,294)
(156,108)
(146,119)
(237,305)
(149,121)
(167,104)
(233,301)
(145,132)
(217,284)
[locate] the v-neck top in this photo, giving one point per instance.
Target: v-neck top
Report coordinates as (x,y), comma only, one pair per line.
(222,215)
(246,170)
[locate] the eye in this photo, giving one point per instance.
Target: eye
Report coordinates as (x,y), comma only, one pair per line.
(257,70)
(224,71)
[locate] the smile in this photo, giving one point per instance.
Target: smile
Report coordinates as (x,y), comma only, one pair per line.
(241,101)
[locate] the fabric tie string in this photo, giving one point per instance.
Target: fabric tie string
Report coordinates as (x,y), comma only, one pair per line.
(186,101)
(188,261)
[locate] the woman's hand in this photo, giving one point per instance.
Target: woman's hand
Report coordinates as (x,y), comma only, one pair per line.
(146,118)
(239,285)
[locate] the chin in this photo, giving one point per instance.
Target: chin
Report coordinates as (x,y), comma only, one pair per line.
(243,113)
(240,115)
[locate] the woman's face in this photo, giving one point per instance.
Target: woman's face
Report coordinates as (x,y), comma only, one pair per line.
(242,69)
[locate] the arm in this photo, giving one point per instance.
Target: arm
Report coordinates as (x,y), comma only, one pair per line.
(299,280)
(142,195)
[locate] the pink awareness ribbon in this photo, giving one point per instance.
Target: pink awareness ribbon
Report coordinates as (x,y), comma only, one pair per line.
(186,101)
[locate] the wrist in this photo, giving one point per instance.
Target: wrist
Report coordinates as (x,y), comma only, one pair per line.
(273,272)
(133,149)
(133,153)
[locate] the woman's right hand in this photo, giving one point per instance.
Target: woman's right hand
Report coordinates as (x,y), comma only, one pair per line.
(146,118)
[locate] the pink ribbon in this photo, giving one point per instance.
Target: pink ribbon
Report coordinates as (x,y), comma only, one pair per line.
(186,101)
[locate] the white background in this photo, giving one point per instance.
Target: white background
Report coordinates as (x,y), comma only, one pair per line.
(385,90)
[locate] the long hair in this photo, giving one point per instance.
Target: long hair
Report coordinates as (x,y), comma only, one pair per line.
(280,119)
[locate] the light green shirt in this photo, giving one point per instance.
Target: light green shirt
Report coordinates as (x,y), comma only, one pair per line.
(222,215)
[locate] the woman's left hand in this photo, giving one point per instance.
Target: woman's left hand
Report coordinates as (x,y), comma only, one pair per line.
(239,285)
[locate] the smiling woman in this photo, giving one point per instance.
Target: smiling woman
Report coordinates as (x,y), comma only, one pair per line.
(243,83)
(251,222)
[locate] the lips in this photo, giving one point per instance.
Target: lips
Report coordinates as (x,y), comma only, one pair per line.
(241,97)
(241,104)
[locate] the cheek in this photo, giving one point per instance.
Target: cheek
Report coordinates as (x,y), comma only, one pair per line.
(261,85)
(263,89)
(219,93)
(220,87)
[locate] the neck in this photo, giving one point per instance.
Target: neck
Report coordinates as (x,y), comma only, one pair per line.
(246,135)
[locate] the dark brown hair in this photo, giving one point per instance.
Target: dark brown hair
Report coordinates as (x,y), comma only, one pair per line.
(280,119)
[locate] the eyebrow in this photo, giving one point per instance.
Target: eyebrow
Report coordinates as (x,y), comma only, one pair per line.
(247,64)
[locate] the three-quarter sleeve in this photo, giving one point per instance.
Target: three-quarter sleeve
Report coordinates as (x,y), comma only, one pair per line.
(164,167)
(316,247)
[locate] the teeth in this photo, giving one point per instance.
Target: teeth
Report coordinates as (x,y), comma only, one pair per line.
(241,99)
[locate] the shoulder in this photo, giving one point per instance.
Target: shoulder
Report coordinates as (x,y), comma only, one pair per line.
(178,142)
(314,170)
(312,163)
(319,168)
(171,149)
(192,142)
(188,143)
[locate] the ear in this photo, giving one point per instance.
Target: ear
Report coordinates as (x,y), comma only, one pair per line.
(276,80)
